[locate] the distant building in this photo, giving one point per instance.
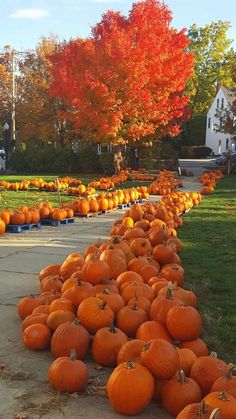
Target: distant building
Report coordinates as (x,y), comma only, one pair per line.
(220,142)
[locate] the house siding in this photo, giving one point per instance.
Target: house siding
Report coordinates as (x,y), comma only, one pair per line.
(215,139)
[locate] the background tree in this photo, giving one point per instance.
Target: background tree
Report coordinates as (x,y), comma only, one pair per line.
(126,82)
(213,63)
(37,116)
(5,83)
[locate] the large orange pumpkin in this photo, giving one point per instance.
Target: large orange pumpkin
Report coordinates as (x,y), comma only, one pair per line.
(130,388)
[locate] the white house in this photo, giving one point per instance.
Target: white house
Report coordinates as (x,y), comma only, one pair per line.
(219,142)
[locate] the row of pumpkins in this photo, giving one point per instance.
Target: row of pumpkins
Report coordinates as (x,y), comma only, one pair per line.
(108,200)
(164,184)
(105,201)
(208,180)
(127,293)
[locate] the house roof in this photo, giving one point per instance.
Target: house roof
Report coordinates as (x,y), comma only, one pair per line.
(230,93)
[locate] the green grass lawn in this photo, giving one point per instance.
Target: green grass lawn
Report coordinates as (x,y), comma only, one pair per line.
(209,258)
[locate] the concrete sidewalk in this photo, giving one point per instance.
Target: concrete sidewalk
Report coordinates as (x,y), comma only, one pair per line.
(23,373)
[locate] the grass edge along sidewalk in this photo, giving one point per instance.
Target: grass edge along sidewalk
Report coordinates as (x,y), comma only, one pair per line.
(209,239)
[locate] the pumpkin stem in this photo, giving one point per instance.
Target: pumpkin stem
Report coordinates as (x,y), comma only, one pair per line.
(135,296)
(134,306)
(73,355)
(203,409)
(223,396)
(130,365)
(229,373)
(213,355)
(102,306)
(181,376)
(169,292)
(116,240)
(80,283)
(106,291)
(214,414)
(76,321)
(146,346)
(112,327)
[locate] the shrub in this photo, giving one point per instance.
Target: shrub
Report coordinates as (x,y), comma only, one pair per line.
(106,162)
(196,152)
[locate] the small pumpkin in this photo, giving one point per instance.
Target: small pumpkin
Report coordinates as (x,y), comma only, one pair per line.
(161,358)
(226,382)
(70,334)
(106,345)
(179,392)
(130,318)
(206,370)
(184,323)
(130,351)
(224,401)
(153,330)
(37,337)
(68,374)
(94,314)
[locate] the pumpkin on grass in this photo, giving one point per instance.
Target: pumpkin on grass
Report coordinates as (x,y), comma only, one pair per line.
(37,337)
(179,392)
(161,358)
(106,345)
(68,374)
(130,388)
(70,334)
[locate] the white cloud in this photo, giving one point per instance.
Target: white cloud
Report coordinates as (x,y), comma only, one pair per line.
(29,14)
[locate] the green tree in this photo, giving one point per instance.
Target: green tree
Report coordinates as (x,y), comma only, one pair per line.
(214,58)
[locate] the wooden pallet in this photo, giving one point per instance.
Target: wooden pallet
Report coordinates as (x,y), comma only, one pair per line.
(109,210)
(88,215)
(55,223)
(17,228)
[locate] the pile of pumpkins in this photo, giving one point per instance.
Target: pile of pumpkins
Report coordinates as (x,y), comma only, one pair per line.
(81,190)
(124,301)
(106,183)
(33,215)
(107,200)
(209,180)
(164,184)
(15,186)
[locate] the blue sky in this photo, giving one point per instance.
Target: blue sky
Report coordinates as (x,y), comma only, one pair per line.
(23,22)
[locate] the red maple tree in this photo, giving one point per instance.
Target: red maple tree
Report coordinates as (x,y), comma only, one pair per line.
(126,81)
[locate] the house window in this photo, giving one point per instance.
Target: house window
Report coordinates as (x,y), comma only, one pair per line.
(227,143)
(221,122)
(209,123)
(219,143)
(222,103)
(217,103)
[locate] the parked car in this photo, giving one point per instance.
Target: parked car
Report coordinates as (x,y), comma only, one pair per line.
(222,159)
